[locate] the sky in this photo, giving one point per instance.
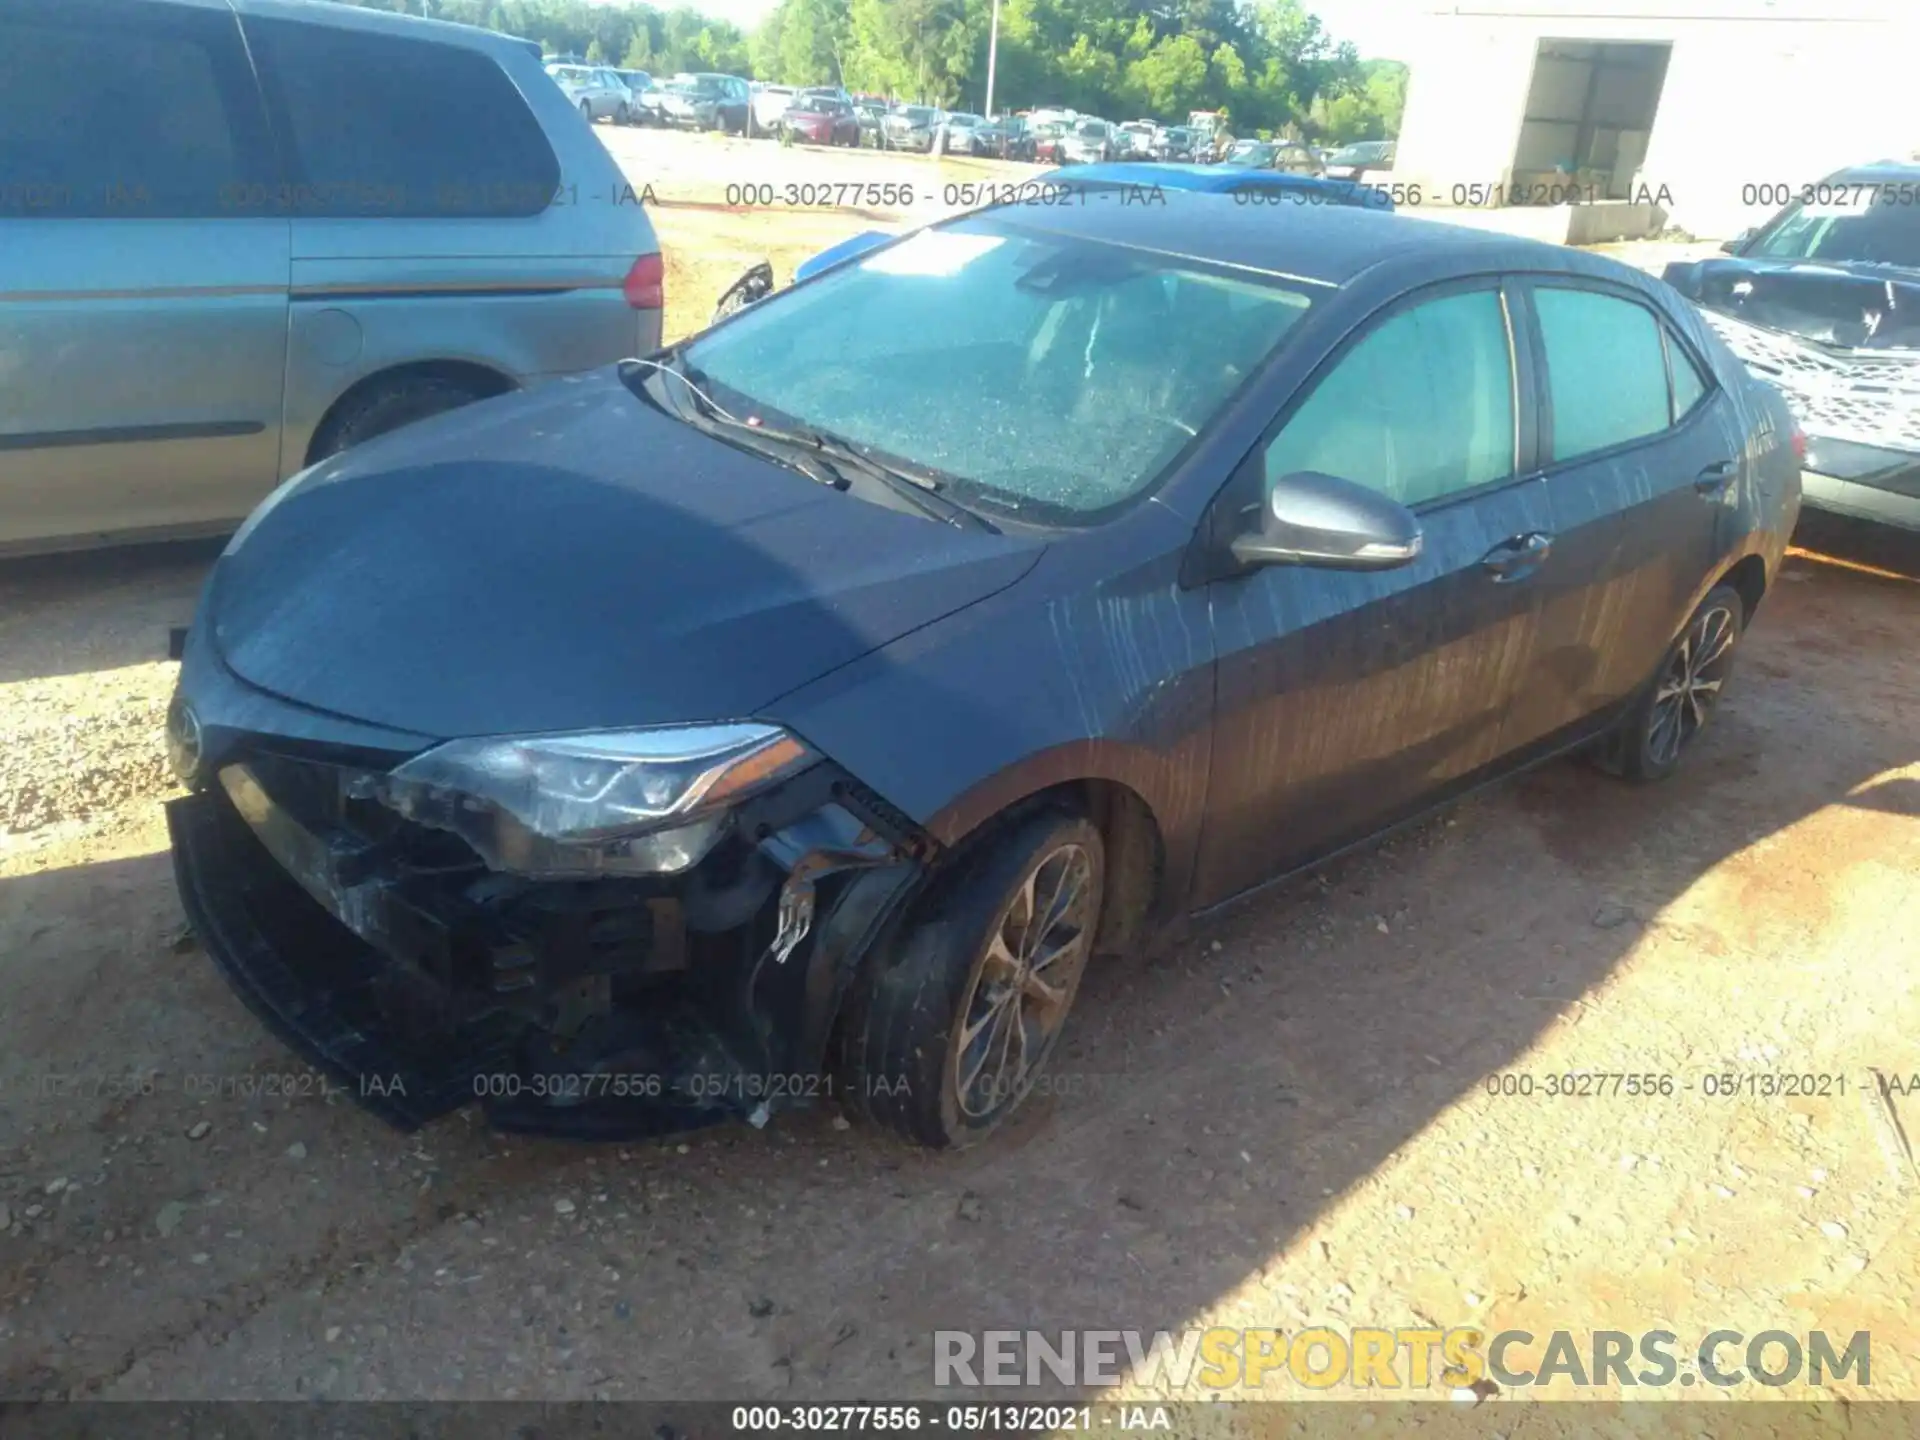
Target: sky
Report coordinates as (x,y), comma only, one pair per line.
(1377,27)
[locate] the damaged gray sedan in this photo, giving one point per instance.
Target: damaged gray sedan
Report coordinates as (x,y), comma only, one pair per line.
(795,715)
(1824,302)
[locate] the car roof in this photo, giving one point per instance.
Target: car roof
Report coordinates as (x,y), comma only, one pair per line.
(1326,244)
(413,27)
(1877,170)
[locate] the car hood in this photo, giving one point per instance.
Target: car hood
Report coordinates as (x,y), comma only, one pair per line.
(1854,306)
(571,558)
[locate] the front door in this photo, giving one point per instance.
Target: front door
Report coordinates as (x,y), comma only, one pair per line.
(1345,700)
(143,272)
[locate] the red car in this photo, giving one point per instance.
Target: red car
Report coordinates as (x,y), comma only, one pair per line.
(1046,141)
(821,120)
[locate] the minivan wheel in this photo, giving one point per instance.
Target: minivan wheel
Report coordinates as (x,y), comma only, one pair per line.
(388,407)
(623,116)
(586,109)
(944,1037)
(1651,737)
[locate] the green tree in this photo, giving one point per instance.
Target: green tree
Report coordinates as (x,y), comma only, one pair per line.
(1369,111)
(1271,62)
(1171,79)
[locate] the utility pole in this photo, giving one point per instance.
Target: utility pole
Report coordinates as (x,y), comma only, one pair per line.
(993,52)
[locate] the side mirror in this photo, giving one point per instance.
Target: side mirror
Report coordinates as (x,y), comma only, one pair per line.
(1732,247)
(1322,520)
(749,289)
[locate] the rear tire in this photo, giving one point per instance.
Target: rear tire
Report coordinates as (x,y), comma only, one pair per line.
(387,408)
(623,116)
(586,112)
(946,1032)
(1649,741)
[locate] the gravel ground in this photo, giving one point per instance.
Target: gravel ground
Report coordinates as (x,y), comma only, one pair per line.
(1285,1122)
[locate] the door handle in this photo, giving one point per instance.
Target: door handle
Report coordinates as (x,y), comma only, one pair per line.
(1517,557)
(1713,479)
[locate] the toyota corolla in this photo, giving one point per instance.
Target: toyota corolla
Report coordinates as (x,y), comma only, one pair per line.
(752,726)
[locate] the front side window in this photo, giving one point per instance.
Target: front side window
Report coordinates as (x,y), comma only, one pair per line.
(1420,409)
(1048,377)
(1606,370)
(472,146)
(175,134)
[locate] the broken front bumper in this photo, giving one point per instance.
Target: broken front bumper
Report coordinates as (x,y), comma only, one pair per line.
(1861,412)
(421,982)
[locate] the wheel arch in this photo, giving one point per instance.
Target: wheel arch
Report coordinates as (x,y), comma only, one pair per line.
(1135,831)
(484,381)
(1748,575)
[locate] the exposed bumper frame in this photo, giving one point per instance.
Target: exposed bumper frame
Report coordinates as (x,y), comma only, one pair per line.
(751,1041)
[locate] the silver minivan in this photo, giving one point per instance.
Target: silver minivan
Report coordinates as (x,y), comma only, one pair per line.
(287,226)
(599,93)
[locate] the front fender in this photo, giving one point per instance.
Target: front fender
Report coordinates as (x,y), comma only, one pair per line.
(1082,671)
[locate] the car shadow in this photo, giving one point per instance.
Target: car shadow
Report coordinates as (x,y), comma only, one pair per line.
(1210,1104)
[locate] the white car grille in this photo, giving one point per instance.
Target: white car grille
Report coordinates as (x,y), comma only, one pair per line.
(1870,398)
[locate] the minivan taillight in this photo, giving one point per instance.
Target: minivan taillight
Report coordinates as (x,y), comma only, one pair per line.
(645,283)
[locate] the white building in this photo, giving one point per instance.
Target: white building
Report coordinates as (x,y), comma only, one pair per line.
(1678,111)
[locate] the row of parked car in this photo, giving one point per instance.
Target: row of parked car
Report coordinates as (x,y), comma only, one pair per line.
(830,115)
(703,101)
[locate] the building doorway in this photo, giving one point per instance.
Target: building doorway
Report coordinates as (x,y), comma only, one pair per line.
(1589,117)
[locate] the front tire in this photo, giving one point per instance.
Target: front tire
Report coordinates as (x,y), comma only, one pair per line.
(1650,739)
(623,116)
(945,1036)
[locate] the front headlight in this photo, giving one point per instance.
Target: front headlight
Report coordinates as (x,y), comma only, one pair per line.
(626,802)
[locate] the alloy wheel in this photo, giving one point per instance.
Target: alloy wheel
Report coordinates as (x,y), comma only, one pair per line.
(1025,983)
(1691,683)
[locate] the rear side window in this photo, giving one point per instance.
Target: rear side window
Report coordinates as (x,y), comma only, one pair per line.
(472,148)
(141,113)
(1688,383)
(1420,409)
(1606,370)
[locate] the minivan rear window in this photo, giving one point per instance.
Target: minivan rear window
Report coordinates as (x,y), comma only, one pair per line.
(472,149)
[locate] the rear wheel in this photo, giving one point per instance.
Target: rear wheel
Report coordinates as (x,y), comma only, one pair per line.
(946,1036)
(388,407)
(624,115)
(586,111)
(1652,736)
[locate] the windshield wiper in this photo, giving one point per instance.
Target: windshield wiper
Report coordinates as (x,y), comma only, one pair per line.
(841,455)
(703,414)
(921,490)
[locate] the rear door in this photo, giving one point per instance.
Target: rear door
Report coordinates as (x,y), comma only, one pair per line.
(1347,701)
(143,288)
(474,242)
(1640,454)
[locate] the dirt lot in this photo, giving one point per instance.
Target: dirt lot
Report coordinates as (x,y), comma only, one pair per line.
(1286,1123)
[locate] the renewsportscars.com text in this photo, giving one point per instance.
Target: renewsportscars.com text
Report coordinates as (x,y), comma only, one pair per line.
(1412,1359)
